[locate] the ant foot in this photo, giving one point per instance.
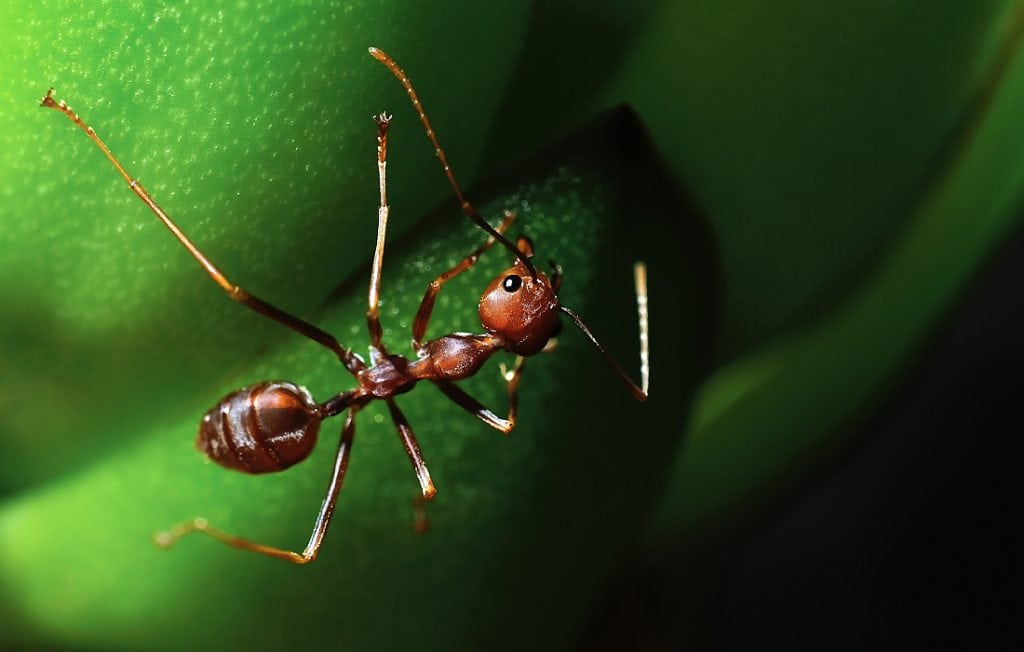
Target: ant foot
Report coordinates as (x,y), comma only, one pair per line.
(167,539)
(48,100)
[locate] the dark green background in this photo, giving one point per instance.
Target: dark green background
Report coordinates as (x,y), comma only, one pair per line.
(818,190)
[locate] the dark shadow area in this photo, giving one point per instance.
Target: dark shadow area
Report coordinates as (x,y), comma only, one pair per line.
(570,52)
(948,158)
(910,542)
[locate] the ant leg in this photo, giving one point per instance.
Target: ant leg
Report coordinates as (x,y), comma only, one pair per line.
(512,379)
(412,449)
(373,311)
(323,519)
(419,325)
(476,408)
(466,206)
(420,520)
(351,362)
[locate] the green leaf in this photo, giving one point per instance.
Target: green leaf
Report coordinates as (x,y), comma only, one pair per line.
(534,522)
(251,126)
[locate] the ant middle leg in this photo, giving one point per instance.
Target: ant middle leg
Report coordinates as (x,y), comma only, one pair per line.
(426,309)
(412,449)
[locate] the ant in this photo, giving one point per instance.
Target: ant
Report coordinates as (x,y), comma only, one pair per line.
(272,425)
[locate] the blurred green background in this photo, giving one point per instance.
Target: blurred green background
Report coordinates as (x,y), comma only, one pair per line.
(827,195)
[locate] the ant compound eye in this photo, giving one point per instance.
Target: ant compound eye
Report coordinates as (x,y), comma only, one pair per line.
(512,283)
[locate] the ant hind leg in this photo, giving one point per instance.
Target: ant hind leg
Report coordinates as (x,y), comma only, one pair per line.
(323,519)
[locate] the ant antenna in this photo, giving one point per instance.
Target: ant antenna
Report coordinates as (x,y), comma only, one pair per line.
(467,207)
(640,282)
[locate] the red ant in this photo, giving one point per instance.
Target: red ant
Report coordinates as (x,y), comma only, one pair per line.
(272,425)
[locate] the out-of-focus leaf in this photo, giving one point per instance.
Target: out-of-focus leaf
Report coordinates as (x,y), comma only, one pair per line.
(762,422)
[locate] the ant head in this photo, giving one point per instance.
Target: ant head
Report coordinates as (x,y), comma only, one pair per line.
(521,306)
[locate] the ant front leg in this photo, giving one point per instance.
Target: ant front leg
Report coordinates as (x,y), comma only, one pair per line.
(512,378)
(323,519)
(477,409)
(426,309)
(373,309)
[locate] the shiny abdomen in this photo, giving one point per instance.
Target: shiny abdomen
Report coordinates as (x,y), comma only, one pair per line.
(261,428)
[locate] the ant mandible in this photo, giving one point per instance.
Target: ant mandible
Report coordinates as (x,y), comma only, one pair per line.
(272,425)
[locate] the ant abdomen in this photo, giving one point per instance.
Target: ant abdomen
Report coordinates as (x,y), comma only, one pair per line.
(261,428)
